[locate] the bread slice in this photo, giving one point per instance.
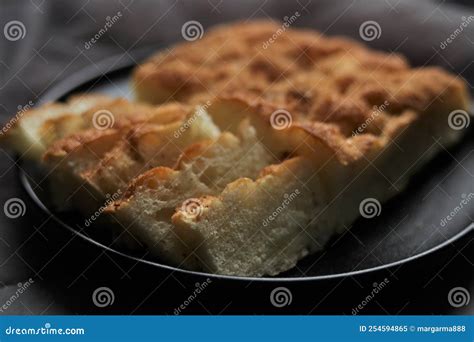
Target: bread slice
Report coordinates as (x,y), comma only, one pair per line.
(364,122)
(263,227)
(36,129)
(95,163)
(32,132)
(256,227)
(146,147)
(304,93)
(67,158)
(204,168)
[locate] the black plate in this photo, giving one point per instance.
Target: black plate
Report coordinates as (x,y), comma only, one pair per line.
(409,226)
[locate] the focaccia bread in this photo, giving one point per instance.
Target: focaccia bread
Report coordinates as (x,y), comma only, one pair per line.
(38,128)
(320,78)
(364,120)
(204,168)
(267,149)
(91,164)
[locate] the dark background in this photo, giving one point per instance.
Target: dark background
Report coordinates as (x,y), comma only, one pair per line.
(66,270)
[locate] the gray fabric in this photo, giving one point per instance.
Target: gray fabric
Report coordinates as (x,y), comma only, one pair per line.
(54,47)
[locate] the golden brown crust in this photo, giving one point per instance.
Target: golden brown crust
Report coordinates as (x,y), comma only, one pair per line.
(191,152)
(130,121)
(336,90)
(148,179)
(64,146)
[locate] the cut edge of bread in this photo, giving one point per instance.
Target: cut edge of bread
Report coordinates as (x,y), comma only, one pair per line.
(28,134)
(237,232)
(204,168)
(97,163)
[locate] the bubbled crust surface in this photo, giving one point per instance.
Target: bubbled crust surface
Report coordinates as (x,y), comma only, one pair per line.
(330,86)
(130,121)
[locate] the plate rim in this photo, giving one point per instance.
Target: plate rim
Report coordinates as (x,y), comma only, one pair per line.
(120,62)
